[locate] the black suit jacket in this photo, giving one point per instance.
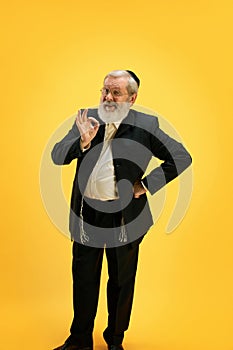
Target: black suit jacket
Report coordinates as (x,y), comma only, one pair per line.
(136,141)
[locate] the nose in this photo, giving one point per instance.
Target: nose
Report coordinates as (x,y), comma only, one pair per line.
(108,96)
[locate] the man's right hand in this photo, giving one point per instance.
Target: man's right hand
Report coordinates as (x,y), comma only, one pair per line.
(87,126)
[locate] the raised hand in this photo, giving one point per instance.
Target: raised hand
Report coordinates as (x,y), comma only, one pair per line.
(87,126)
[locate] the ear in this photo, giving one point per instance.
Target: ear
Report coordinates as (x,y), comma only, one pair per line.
(133,99)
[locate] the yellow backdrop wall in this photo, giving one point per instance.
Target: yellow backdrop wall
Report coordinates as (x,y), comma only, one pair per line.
(54,57)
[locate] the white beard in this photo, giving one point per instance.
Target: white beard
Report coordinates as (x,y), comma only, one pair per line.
(111,112)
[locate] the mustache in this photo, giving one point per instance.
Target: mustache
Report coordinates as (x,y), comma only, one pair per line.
(110,104)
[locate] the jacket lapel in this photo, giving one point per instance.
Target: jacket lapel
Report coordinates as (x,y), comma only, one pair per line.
(126,124)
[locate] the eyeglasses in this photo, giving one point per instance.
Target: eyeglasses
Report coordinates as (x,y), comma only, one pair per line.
(114,92)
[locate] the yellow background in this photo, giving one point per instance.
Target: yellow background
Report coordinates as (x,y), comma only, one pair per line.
(54,56)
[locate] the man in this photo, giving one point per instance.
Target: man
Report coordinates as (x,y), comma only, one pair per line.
(109,208)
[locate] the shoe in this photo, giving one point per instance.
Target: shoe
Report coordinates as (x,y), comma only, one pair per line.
(73,347)
(109,340)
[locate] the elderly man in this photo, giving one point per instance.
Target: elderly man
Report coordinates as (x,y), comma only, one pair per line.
(109,208)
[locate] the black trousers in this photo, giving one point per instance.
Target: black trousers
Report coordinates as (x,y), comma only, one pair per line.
(86,268)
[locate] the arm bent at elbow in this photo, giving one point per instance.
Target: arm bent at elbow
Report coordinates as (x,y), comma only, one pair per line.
(175,160)
(68,148)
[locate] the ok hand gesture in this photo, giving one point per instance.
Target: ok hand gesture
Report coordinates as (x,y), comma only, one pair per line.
(87,126)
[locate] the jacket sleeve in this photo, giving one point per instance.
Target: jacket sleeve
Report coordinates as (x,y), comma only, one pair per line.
(174,156)
(68,148)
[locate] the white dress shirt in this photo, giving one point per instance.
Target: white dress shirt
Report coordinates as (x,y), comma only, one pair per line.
(102,181)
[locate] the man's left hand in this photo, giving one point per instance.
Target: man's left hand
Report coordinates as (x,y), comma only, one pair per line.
(138,189)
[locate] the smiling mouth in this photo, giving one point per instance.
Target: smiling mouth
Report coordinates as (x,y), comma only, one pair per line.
(109,108)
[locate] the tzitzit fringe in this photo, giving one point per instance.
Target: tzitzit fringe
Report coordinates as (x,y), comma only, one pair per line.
(84,238)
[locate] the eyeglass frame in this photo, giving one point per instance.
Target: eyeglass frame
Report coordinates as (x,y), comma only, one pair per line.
(108,90)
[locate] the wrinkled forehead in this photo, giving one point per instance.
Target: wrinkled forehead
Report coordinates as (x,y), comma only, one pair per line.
(116,82)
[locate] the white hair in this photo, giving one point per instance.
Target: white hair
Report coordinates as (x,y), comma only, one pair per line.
(132,86)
